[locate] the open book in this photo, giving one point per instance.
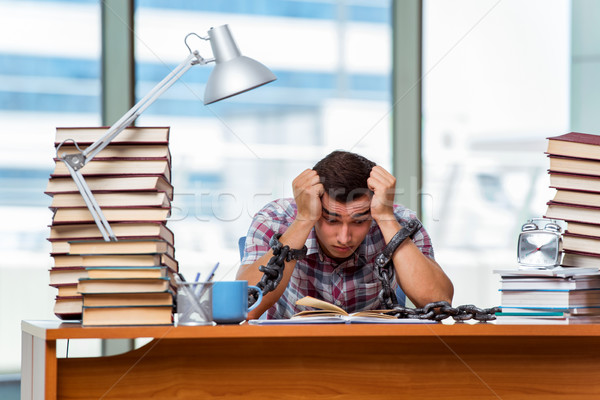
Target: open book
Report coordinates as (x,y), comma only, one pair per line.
(327,313)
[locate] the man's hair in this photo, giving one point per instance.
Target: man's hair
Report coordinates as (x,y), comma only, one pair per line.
(344,175)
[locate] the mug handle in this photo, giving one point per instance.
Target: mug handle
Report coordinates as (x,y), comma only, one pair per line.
(253,306)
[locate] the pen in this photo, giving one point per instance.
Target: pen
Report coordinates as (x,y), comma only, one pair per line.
(212,273)
(198,288)
(210,276)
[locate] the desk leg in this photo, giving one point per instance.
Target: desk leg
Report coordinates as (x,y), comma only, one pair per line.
(38,368)
(26,366)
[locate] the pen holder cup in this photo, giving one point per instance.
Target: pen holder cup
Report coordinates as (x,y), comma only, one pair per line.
(194,303)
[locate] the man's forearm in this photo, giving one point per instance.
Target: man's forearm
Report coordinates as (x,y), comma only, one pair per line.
(422,279)
(294,237)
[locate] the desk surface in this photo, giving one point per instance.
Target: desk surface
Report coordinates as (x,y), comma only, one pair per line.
(451,361)
(52,330)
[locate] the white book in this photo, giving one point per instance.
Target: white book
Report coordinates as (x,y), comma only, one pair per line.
(550,282)
(558,271)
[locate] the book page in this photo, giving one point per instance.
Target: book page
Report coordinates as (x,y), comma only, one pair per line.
(323,305)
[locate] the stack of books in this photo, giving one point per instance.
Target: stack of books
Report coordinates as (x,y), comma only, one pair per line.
(122,282)
(570,293)
(575,174)
(550,296)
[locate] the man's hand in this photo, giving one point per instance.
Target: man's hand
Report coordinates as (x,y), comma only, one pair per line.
(307,193)
(383,185)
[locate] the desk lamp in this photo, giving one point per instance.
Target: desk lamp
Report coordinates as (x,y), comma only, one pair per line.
(233,74)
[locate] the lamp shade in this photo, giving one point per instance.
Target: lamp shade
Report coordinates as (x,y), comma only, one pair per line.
(233,73)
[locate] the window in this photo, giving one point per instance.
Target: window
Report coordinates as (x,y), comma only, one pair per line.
(49,77)
(496,85)
(332,60)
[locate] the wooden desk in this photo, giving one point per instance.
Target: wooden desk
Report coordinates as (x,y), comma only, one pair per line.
(460,361)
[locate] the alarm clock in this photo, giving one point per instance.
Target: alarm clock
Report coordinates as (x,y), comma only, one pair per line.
(539,244)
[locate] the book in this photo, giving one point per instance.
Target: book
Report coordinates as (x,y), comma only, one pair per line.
(115,260)
(116,151)
(127,315)
(68,308)
(574,165)
(559,319)
(575,197)
(324,312)
(126,272)
(586,310)
(115,199)
(106,168)
(580,260)
(579,228)
(581,243)
(59,247)
(122,285)
(66,289)
(127,214)
(132,230)
(573,212)
(67,275)
(575,144)
(550,298)
(557,271)
(586,183)
(130,246)
(127,282)
(130,135)
(550,282)
(109,184)
(339,319)
(129,299)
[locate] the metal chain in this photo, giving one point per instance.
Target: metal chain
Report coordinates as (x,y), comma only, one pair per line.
(445,310)
(386,296)
(273,271)
(436,311)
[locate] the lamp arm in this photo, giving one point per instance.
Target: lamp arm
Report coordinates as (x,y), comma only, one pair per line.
(92,205)
(131,115)
(74,162)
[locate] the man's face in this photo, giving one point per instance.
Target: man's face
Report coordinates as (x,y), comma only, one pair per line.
(343,226)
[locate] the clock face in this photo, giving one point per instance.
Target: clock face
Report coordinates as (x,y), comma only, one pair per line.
(538,249)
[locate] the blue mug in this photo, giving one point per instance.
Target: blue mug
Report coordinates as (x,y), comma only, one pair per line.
(230,301)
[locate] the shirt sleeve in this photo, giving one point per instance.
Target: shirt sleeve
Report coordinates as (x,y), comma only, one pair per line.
(273,218)
(421,238)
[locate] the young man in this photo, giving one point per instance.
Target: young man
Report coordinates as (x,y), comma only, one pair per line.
(343,212)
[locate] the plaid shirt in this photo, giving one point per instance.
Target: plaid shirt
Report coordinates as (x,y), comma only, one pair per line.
(352,285)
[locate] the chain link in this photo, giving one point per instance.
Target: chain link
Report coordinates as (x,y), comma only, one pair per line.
(436,311)
(441,310)
(273,271)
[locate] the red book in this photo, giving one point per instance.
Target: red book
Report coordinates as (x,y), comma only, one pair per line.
(123,183)
(579,259)
(584,183)
(573,165)
(130,135)
(68,307)
(581,243)
(573,212)
(578,228)
(575,144)
(120,151)
(108,168)
(124,230)
(126,214)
